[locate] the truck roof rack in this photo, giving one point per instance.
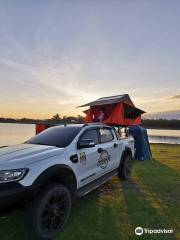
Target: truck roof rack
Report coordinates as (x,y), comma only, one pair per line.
(94,123)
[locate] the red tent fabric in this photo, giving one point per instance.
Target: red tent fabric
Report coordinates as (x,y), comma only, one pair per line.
(118,110)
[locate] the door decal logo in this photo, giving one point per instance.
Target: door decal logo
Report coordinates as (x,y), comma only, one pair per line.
(82,158)
(103,159)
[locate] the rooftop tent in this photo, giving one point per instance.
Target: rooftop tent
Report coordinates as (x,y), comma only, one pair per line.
(118,110)
(143,151)
(40,127)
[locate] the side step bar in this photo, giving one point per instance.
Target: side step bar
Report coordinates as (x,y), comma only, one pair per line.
(95,184)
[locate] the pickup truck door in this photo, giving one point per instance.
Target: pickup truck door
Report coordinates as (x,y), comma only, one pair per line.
(109,156)
(86,168)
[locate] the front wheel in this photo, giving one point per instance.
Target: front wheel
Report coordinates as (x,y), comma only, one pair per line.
(49,212)
(125,167)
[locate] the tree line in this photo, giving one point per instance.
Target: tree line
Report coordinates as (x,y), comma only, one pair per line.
(161,123)
(57,119)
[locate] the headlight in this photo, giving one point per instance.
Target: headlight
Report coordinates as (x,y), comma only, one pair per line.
(12,175)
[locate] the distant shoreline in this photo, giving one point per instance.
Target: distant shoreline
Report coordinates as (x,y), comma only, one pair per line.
(51,122)
(162,128)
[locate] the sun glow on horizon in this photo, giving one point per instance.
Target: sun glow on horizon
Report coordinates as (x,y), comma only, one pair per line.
(68,54)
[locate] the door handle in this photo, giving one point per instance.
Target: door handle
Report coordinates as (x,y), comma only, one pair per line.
(100,150)
(115,145)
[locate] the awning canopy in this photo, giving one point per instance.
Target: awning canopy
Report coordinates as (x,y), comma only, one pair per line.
(110,100)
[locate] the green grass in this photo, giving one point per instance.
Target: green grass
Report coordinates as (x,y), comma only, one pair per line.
(114,210)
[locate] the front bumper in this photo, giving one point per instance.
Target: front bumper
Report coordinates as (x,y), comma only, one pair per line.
(14,193)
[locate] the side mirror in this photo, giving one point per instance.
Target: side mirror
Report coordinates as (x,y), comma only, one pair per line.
(86,143)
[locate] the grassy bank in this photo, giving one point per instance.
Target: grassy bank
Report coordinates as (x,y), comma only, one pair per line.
(114,210)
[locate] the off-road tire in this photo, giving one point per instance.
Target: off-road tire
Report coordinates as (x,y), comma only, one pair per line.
(125,167)
(49,212)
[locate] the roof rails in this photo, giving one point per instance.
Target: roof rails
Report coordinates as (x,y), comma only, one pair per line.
(94,123)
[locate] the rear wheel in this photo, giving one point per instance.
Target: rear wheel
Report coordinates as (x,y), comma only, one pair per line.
(125,168)
(49,212)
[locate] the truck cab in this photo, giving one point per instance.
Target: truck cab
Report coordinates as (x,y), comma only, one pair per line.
(58,165)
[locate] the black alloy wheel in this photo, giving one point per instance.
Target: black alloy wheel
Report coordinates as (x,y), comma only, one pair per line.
(50,211)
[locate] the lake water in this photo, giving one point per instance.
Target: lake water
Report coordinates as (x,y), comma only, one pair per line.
(164,136)
(13,133)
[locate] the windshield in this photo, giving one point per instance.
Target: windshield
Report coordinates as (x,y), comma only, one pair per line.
(59,136)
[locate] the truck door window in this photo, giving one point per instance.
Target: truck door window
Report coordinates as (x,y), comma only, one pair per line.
(90,134)
(123,132)
(106,135)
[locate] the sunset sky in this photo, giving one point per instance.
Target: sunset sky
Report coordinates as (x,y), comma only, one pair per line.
(56,55)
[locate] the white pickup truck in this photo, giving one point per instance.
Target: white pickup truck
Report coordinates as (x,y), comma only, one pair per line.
(44,174)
